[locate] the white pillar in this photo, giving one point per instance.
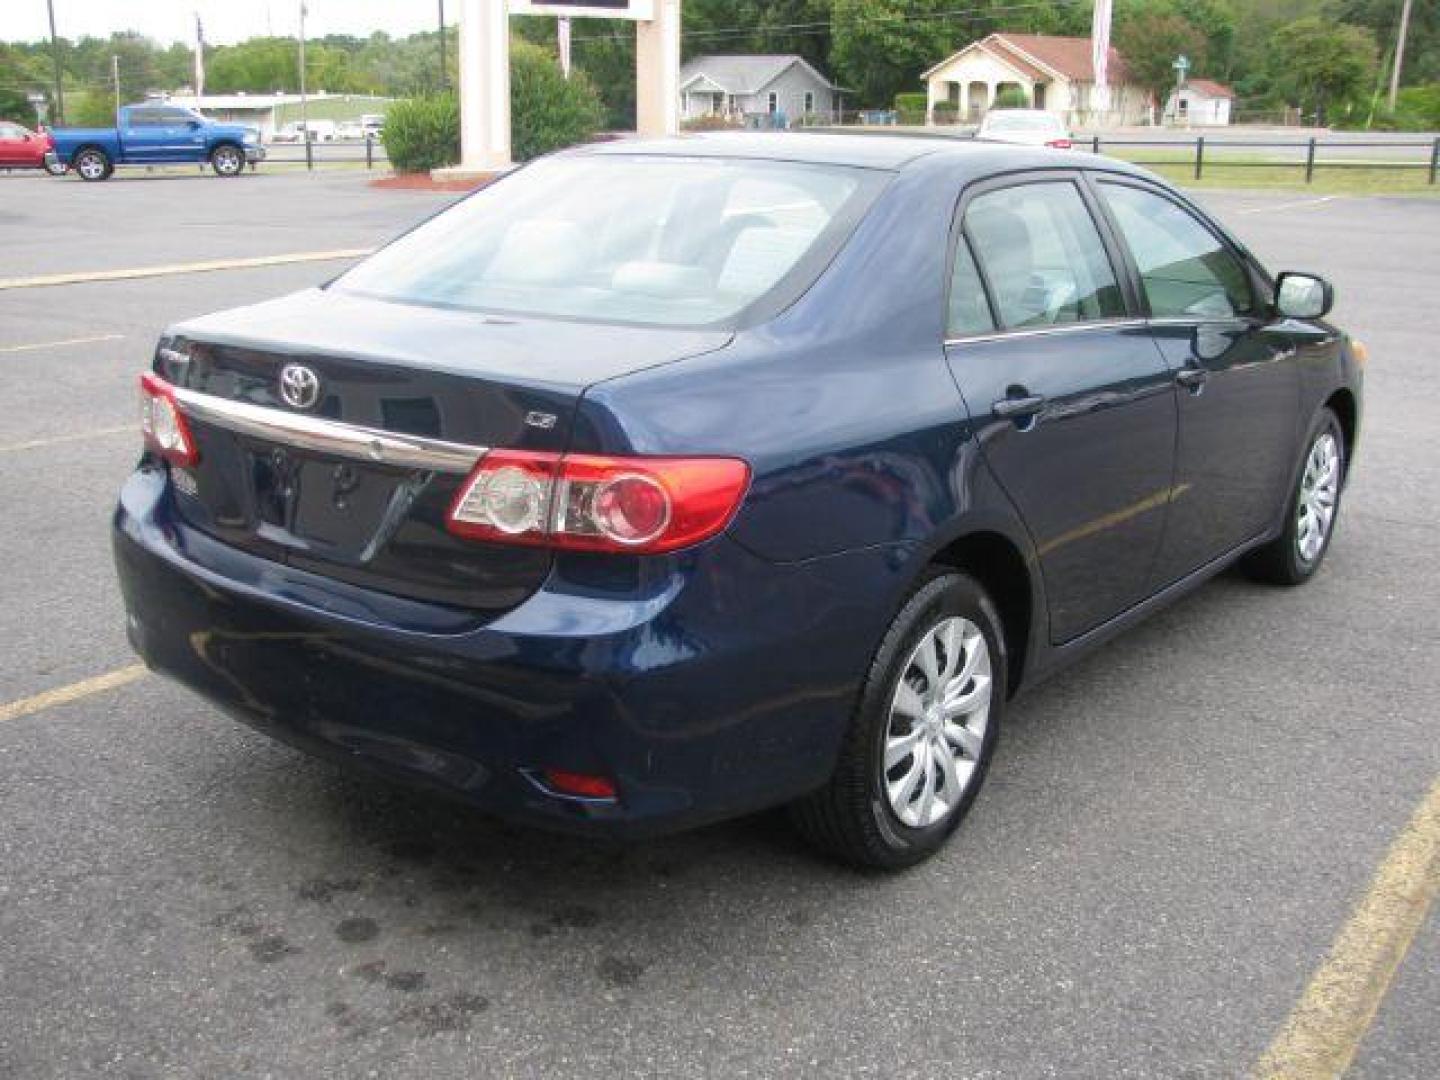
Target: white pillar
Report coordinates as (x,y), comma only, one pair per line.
(964,116)
(931,85)
(657,72)
(484,86)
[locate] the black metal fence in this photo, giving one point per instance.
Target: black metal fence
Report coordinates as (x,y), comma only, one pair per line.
(1420,153)
(370,151)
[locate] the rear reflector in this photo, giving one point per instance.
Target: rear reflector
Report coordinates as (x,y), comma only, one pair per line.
(585,502)
(1061,144)
(580,785)
(162,424)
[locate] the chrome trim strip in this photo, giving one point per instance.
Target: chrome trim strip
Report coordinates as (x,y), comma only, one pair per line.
(1044,331)
(329,436)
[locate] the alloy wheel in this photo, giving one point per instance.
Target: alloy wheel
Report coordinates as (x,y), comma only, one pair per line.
(1319,488)
(91,166)
(938,717)
(227,161)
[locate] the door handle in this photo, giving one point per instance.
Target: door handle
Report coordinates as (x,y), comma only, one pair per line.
(1192,378)
(1018,408)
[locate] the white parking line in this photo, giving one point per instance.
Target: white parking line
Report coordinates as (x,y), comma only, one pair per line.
(40,444)
(1290,205)
(85,276)
(60,344)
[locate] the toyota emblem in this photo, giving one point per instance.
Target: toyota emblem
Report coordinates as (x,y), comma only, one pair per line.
(299,386)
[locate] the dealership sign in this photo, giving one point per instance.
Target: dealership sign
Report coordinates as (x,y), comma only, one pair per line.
(642,10)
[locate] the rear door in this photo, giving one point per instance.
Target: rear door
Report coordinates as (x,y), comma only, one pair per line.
(1077,407)
(1238,394)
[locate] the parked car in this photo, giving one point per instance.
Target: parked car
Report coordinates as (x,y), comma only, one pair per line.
(350,130)
(373,123)
(1024,127)
(157,135)
(641,489)
(21,148)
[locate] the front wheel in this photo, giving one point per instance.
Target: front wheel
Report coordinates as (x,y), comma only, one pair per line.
(1311,511)
(92,165)
(227,160)
(923,734)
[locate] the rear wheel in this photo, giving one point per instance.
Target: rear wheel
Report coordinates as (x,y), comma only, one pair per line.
(923,734)
(227,160)
(93,164)
(1293,557)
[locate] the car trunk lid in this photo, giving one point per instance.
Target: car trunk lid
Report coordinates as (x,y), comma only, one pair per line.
(334,431)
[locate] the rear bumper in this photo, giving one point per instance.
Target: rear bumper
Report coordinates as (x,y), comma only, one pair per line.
(707,686)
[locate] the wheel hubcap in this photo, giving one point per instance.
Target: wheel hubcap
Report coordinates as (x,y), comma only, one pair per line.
(938,716)
(228,161)
(91,165)
(1319,487)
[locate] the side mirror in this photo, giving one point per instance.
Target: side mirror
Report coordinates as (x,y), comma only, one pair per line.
(1303,296)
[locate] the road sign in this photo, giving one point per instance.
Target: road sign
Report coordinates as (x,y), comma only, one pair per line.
(639,10)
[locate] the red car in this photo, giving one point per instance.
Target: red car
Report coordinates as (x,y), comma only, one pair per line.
(21,148)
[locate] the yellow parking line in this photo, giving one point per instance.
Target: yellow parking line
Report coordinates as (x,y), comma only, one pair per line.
(180,268)
(79,436)
(1339,1004)
(74,692)
(58,344)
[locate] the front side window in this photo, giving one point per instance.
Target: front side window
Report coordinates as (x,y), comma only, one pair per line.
(1185,270)
(642,239)
(1042,255)
(147,118)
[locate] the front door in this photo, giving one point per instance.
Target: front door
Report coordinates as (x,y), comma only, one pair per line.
(1076,407)
(1239,383)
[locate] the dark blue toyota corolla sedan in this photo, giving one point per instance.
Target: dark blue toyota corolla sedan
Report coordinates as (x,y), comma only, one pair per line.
(662,482)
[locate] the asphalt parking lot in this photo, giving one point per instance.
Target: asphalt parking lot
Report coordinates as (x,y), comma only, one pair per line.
(1172,837)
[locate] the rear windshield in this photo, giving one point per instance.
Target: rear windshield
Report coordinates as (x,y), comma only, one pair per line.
(1018,121)
(638,239)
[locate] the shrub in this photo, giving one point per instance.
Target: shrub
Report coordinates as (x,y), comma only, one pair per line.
(712,123)
(547,112)
(946,112)
(1012,97)
(911,107)
(423,133)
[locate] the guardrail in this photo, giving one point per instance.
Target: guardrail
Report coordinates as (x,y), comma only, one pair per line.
(1306,153)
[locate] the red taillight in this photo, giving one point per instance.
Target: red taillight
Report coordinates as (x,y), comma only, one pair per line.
(1061,144)
(162,423)
(585,502)
(581,785)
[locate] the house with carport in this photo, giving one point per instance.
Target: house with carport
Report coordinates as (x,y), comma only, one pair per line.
(1056,74)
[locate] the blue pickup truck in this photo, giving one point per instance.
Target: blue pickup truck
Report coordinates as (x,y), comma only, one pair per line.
(157,135)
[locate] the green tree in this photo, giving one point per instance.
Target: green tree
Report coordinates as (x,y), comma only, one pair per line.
(1150,42)
(1317,63)
(881,47)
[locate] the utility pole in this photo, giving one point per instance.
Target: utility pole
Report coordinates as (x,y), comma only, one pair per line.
(304,107)
(1399,54)
(199,61)
(115,75)
(55,49)
(444,77)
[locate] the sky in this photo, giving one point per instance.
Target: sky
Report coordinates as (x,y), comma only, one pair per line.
(225,21)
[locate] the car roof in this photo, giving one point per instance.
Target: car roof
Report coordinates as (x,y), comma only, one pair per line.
(891,152)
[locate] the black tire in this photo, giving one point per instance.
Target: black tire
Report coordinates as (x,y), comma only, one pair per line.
(92,165)
(1281,562)
(851,816)
(227,159)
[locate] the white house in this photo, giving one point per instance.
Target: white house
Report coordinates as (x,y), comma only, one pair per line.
(1200,103)
(734,86)
(1055,73)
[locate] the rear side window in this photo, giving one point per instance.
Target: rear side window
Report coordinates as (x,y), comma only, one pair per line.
(969,309)
(1185,270)
(1042,256)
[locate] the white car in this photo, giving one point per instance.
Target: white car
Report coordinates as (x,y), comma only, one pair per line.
(1024,127)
